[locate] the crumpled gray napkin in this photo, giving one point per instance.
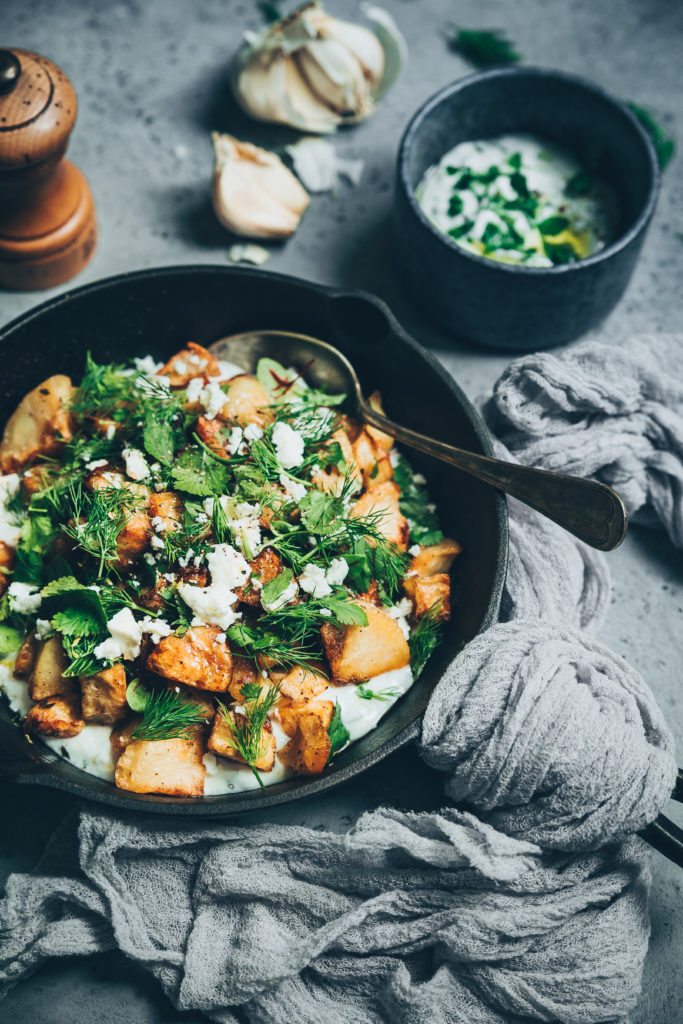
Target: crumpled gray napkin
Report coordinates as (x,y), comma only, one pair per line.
(615,414)
(512,911)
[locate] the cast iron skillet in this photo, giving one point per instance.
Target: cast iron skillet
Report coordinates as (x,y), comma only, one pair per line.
(157,312)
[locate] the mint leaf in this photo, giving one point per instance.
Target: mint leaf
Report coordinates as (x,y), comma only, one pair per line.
(338,733)
(158,438)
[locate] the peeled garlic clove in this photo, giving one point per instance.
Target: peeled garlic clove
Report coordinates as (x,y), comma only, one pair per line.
(254,194)
(313,72)
(336,77)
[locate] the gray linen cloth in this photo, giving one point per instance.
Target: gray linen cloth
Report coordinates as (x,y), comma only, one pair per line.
(528,905)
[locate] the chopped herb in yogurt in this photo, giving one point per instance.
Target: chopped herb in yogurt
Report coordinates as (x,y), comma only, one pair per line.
(518,200)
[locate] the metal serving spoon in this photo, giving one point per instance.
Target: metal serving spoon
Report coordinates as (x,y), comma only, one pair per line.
(591,511)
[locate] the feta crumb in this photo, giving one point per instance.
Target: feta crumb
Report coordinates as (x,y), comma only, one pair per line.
(43,628)
(220,638)
(24,598)
(235,443)
(148,365)
(136,467)
(213,605)
(252,432)
(418,478)
(157,628)
(111,432)
(169,577)
(180,366)
(228,370)
(312,581)
(292,488)
(194,390)
(194,359)
(289,445)
(159,524)
(213,399)
(96,464)
(414,550)
(157,543)
(10,530)
(125,636)
(326,612)
(398,612)
(337,571)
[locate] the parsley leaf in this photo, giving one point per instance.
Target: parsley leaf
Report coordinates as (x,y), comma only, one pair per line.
(75,621)
(344,612)
(196,472)
(318,511)
(158,437)
(276,587)
(251,691)
(338,733)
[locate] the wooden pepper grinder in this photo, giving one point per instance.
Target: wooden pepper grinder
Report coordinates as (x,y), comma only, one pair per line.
(48,230)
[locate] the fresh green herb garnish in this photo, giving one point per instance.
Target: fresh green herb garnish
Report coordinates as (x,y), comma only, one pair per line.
(382,695)
(338,733)
(424,639)
(167,715)
(485,48)
(245,728)
(663,143)
(10,640)
(416,507)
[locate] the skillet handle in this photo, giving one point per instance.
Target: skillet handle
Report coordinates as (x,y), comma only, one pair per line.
(663,835)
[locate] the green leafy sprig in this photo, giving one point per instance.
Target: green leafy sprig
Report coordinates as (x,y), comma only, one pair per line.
(245,728)
(484,48)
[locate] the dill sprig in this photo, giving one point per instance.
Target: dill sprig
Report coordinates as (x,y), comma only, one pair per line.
(246,727)
(168,716)
(425,638)
(381,695)
(484,48)
(259,644)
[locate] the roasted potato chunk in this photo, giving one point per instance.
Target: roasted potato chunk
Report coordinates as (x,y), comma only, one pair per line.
(219,741)
(290,714)
(103,696)
(26,657)
(105,479)
(37,478)
(309,749)
(301,685)
(167,506)
(6,565)
(372,461)
(426,592)
(356,653)
(133,539)
(55,716)
(246,401)
(382,440)
(170,767)
(214,435)
(264,568)
(383,499)
(195,659)
(243,672)
(47,678)
(437,558)
(193,361)
(39,425)
(121,735)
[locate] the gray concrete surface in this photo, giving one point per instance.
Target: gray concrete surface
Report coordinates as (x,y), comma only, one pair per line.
(151,80)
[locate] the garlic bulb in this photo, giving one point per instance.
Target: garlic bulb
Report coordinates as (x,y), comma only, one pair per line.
(314,72)
(254,193)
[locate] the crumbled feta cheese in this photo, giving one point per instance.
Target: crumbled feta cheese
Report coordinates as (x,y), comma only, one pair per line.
(136,467)
(212,399)
(213,605)
(312,581)
(252,432)
(394,458)
(185,560)
(157,628)
(194,359)
(43,628)
(287,595)
(24,598)
(201,518)
(289,445)
(169,577)
(414,550)
(110,432)
(180,366)
(159,524)
(125,636)
(337,571)
(326,612)
(157,543)
(292,488)
(194,389)
(220,638)
(418,478)
(9,528)
(96,464)
(149,558)
(398,612)
(228,370)
(148,365)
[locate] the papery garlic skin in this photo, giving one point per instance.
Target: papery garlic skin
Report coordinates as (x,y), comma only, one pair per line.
(314,72)
(254,194)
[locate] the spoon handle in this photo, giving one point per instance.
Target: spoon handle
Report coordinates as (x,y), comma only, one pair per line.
(591,511)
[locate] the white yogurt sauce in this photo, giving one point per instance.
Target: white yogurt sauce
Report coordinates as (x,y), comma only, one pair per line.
(91,749)
(492,196)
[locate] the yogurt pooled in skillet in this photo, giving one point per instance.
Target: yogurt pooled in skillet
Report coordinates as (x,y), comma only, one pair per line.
(212,580)
(517,199)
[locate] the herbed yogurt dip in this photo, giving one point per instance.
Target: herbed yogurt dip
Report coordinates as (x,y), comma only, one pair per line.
(518,199)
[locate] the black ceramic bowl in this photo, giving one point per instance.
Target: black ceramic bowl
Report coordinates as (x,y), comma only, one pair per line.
(513,306)
(157,312)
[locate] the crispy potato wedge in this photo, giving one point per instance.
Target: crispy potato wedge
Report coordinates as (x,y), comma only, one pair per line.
(103,695)
(437,558)
(219,741)
(195,659)
(356,653)
(26,656)
(428,591)
(39,425)
(246,401)
(55,716)
(373,461)
(290,714)
(382,440)
(47,678)
(133,540)
(190,362)
(264,568)
(120,736)
(7,557)
(243,672)
(170,767)
(212,433)
(383,499)
(301,685)
(308,750)
(167,506)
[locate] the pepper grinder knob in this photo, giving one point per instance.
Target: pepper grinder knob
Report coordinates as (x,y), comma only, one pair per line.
(48,230)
